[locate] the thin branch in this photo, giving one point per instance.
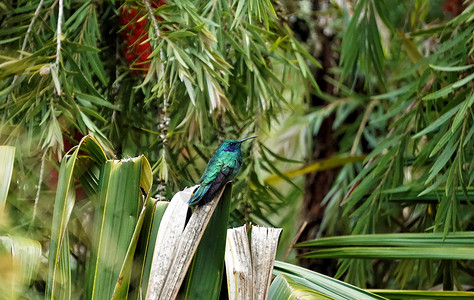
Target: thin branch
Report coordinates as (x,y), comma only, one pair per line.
(40,181)
(152,17)
(297,237)
(362,126)
(58,30)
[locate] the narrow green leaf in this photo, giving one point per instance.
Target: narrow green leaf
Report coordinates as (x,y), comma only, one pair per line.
(392,94)
(442,160)
(450,69)
(98,68)
(177,54)
(449,88)
(461,114)
(387,143)
(448,135)
(438,122)
(179,34)
(6,41)
(463,81)
(448,253)
(95,100)
(238,13)
(453,239)
(440,93)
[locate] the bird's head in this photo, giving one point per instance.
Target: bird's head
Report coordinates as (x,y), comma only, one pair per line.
(233,145)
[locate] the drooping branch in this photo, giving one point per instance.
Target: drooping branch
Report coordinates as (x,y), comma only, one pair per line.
(27,35)
(25,41)
(158,35)
(164,120)
(409,108)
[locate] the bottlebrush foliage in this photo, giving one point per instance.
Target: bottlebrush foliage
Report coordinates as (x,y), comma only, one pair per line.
(166,79)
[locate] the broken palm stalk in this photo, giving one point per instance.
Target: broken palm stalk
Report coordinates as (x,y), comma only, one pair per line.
(249,267)
(176,244)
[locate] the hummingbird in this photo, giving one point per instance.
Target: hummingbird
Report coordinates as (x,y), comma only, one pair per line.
(222,168)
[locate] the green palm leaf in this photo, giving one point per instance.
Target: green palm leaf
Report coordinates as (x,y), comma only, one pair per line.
(119,216)
(7,157)
(329,287)
(456,245)
(283,287)
(59,268)
(19,263)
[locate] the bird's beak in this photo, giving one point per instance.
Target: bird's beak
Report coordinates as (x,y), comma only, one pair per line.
(252,137)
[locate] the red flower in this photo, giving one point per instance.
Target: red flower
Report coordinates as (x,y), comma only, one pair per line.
(136,50)
(454,7)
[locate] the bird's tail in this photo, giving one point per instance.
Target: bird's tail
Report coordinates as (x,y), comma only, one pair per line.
(198,194)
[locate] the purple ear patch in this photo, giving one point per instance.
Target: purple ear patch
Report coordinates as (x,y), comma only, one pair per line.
(230,148)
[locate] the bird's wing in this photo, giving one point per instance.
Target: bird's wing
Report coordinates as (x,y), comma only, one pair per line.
(211,182)
(221,179)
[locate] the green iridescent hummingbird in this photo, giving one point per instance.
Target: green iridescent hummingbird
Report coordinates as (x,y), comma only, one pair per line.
(222,168)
